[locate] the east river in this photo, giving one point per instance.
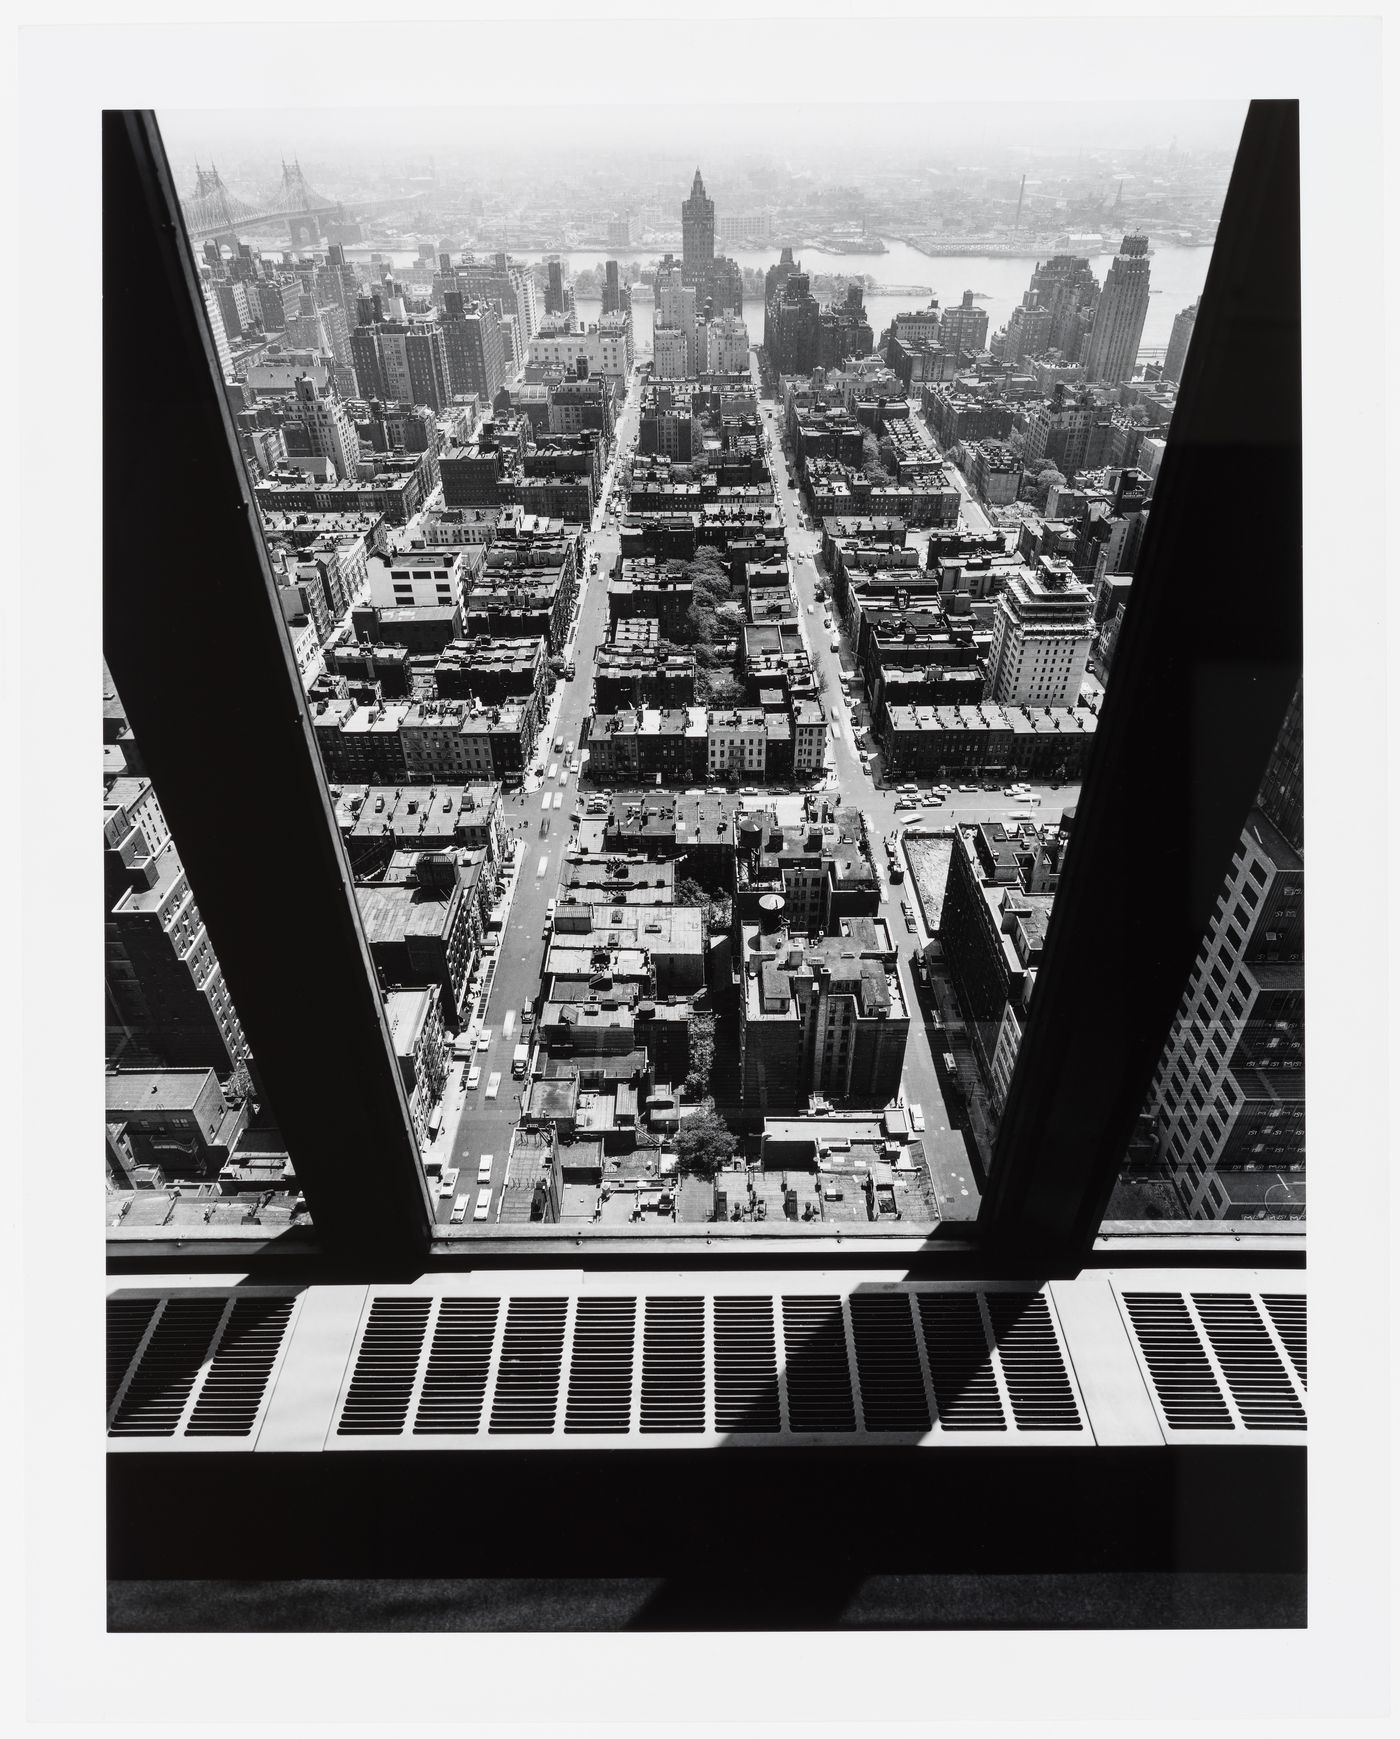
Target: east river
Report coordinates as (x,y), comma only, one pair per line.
(998,282)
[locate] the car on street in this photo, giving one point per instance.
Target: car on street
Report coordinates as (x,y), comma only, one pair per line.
(473,1078)
(551,906)
(906,908)
(483,1167)
(483,1039)
(972,788)
(835,644)
(1020,815)
(483,1205)
(459,1210)
(909,923)
(916,1119)
(493,1085)
(559,745)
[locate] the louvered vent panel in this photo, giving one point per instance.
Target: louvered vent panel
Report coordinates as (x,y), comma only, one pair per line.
(746,1366)
(1252,1367)
(1186,1387)
(892,1394)
(960,1362)
(673,1365)
(127,1320)
(161,1383)
(237,1378)
(1289,1313)
(382,1385)
(600,1366)
(818,1373)
(1037,1383)
(459,1359)
(532,1356)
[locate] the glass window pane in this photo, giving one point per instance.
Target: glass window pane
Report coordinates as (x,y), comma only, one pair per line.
(704,652)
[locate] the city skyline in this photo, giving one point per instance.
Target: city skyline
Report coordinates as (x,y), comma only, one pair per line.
(443,452)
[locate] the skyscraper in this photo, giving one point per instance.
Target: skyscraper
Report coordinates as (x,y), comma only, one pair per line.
(166,997)
(675,312)
(1028,330)
(1182,328)
(1066,286)
(791,323)
(715,278)
(554,290)
(364,352)
(612,290)
(1112,350)
(1228,1095)
(328,424)
(402,362)
(473,347)
(505,282)
(1041,635)
(963,327)
(697,232)
(220,331)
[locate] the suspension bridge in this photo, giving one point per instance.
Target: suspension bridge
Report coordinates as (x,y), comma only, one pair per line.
(213,213)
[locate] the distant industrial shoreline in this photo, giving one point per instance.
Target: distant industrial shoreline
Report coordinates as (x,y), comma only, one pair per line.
(1027,248)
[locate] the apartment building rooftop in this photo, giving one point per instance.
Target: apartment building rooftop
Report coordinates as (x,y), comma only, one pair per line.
(392,912)
(988,716)
(131,1091)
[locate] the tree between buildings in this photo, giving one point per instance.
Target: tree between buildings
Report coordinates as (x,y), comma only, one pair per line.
(702,1055)
(705,1142)
(871,461)
(1048,478)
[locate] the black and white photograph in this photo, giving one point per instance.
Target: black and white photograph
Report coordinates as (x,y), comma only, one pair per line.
(713,631)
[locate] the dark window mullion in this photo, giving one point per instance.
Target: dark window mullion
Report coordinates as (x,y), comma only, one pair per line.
(236,769)
(1207,661)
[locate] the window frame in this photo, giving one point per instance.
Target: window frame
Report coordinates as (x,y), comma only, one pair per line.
(1056,1160)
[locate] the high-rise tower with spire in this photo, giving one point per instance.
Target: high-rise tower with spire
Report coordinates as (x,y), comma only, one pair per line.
(715,279)
(697,231)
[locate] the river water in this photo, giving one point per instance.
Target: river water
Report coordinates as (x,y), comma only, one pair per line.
(1178,276)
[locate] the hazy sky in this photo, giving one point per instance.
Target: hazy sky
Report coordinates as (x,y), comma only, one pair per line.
(794,133)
